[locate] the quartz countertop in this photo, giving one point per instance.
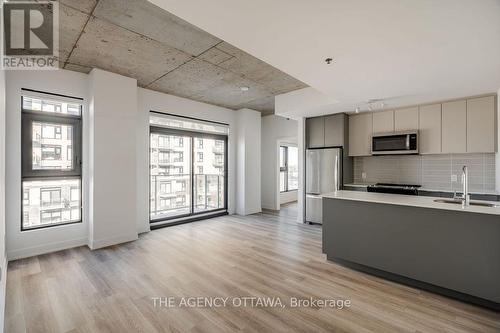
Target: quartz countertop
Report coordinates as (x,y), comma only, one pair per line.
(409,200)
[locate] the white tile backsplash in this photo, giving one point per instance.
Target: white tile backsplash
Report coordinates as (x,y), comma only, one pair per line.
(433,172)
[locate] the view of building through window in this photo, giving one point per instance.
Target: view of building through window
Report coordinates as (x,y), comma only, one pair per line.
(289,168)
(171,167)
(51,169)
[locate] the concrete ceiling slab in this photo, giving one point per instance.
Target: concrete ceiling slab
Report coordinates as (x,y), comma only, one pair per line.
(265,105)
(71,24)
(215,56)
(257,70)
(206,82)
(146,19)
(85,6)
(165,53)
(107,46)
(77,68)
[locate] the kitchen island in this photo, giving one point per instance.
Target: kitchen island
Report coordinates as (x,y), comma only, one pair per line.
(414,240)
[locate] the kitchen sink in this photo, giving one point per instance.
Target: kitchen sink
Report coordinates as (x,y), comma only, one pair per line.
(472,202)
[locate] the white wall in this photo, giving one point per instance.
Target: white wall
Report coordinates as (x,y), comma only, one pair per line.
(275,131)
(28,243)
(497,163)
(3,261)
(115,132)
(248,197)
(149,100)
(112,156)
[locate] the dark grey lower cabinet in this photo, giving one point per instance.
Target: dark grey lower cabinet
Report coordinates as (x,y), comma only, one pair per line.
(449,252)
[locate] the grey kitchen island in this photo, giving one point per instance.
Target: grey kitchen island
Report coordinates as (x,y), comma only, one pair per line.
(440,247)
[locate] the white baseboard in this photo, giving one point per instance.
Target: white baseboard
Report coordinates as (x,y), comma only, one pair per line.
(3,288)
(100,243)
(46,248)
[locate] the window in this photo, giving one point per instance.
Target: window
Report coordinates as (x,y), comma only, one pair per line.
(50,197)
(51,152)
(50,131)
(289,168)
(196,170)
(51,160)
(26,197)
(165,187)
(179,157)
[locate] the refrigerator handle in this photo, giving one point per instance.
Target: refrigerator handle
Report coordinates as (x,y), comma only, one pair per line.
(337,173)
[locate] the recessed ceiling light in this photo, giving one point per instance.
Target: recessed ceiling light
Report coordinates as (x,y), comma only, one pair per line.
(244,88)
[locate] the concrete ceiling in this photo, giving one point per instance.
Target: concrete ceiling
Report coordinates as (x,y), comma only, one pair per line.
(403,52)
(164,53)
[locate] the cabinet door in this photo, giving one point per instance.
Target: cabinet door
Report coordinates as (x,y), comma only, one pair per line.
(383,122)
(360,134)
(429,129)
(481,125)
(315,132)
(334,130)
(406,119)
(454,127)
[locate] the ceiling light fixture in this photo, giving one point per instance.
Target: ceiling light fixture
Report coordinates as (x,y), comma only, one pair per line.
(357,110)
(244,88)
(328,61)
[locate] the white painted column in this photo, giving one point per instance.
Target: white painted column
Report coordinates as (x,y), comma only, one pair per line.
(248,157)
(112,155)
(3,261)
(497,160)
(301,144)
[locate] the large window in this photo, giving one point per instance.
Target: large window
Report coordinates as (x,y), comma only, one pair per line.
(51,160)
(193,180)
(289,168)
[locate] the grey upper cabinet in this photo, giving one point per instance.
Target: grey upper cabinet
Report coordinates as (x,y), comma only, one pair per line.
(383,122)
(360,134)
(430,129)
(315,132)
(334,130)
(454,127)
(481,125)
(406,119)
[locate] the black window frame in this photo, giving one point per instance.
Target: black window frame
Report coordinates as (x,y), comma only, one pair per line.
(28,116)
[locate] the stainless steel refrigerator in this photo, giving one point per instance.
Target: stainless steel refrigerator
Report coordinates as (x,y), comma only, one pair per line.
(323,175)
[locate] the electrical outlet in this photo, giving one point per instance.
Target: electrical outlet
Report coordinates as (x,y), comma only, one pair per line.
(363,175)
(454,178)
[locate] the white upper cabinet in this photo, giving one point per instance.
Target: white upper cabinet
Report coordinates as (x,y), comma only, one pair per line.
(481,125)
(406,119)
(429,129)
(383,122)
(454,127)
(360,134)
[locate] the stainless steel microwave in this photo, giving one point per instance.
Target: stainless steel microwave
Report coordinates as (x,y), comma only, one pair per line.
(395,143)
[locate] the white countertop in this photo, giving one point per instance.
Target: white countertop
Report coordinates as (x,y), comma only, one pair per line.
(408,200)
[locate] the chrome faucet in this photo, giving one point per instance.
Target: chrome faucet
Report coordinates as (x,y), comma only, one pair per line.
(465,197)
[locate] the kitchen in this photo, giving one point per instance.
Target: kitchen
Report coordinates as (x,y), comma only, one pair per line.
(413,189)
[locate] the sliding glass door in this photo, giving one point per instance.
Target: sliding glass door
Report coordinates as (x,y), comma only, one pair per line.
(187,173)
(208,172)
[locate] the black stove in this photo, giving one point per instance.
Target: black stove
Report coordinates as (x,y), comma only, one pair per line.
(394,188)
